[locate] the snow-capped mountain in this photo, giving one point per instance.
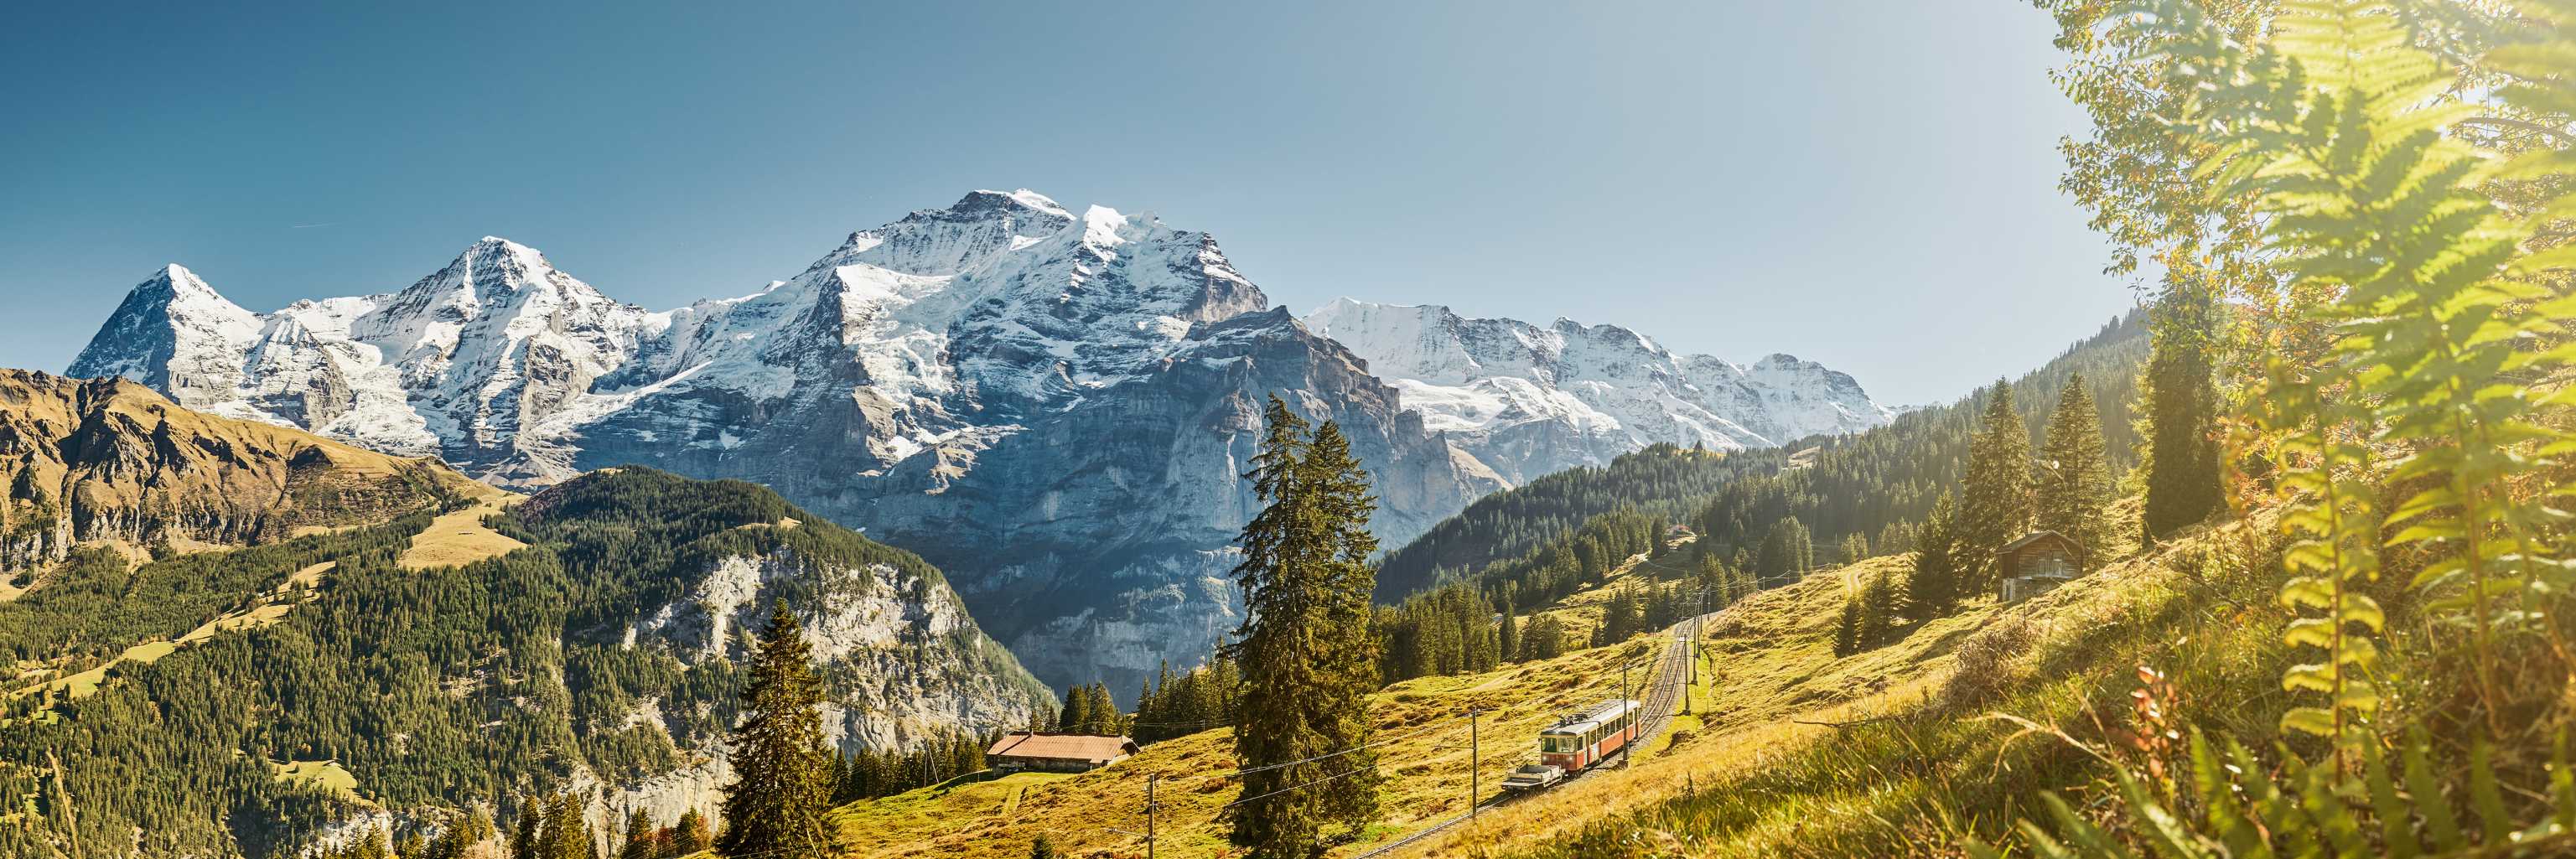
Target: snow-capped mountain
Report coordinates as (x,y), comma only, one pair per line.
(1528,400)
(1054,407)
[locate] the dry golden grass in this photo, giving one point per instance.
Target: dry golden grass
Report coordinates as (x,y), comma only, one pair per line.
(1776,692)
(459,538)
(327,775)
(1426,763)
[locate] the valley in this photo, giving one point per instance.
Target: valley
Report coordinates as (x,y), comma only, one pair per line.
(1011,528)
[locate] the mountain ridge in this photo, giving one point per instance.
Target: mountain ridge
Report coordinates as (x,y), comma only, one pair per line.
(1053,405)
(1542,399)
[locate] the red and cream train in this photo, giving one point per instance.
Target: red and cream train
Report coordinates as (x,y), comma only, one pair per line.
(1579,741)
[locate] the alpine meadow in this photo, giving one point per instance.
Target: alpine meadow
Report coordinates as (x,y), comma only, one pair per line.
(2177,460)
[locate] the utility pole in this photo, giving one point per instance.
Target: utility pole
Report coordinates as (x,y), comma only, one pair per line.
(1475,763)
(1151,781)
(1623,700)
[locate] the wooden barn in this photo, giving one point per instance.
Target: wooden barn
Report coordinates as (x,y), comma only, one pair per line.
(1056,753)
(2037,563)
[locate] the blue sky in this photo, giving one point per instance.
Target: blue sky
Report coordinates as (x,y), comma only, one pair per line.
(1867,183)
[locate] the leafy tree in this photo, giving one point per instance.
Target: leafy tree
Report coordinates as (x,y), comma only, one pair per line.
(774,806)
(2182,460)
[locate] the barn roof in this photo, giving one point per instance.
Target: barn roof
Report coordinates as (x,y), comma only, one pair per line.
(1084,747)
(2036,536)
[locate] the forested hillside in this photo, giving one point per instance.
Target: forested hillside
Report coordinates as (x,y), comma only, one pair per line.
(229,703)
(1662,480)
(1879,485)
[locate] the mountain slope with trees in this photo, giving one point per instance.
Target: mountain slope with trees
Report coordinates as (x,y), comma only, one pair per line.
(602,662)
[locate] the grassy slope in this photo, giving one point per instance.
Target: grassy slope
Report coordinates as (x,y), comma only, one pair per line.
(1772,662)
(1427,766)
(1794,752)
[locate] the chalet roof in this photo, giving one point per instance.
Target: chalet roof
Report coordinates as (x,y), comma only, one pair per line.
(1081,747)
(2036,536)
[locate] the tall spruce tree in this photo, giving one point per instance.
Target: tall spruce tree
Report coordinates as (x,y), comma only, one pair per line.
(1306,649)
(1933,590)
(1879,605)
(527,829)
(638,842)
(2182,458)
(774,807)
(2073,475)
(1995,502)
(1341,485)
(567,832)
(1077,709)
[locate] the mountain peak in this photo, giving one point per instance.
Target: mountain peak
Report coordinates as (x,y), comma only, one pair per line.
(1569,394)
(984,200)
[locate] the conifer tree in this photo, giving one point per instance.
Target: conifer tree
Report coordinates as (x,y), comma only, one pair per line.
(2182,459)
(1878,608)
(523,838)
(1341,485)
(2073,475)
(1995,502)
(371,845)
(691,834)
(1855,548)
(1306,649)
(1933,590)
(774,807)
(1507,644)
(567,834)
(638,842)
(1076,715)
(1847,628)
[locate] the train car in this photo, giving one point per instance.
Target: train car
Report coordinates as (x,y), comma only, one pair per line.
(1585,738)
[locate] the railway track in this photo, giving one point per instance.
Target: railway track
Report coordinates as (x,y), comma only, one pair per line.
(1662,701)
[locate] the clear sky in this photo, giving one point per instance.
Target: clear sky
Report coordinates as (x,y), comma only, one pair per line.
(1868,183)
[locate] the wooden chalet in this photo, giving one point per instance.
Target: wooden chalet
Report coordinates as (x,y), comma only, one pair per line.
(2037,563)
